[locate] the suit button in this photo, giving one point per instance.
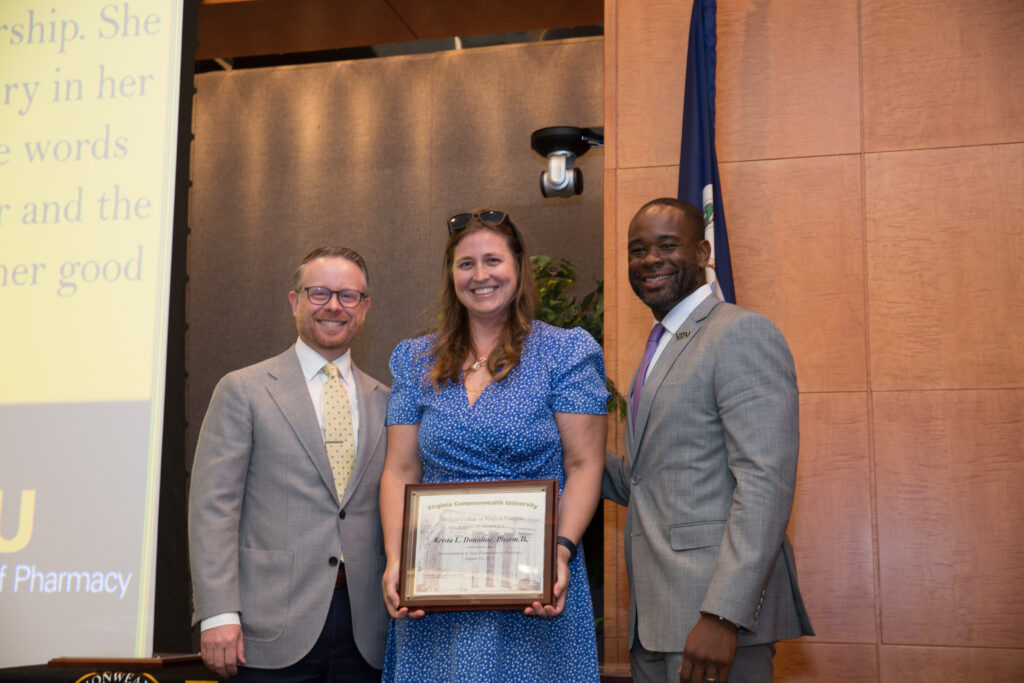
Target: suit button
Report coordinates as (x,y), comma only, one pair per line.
(635,479)
(342,514)
(333,561)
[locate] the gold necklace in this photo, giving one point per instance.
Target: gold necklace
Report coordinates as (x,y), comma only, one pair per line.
(480,362)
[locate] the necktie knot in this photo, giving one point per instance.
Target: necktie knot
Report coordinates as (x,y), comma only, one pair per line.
(331,370)
(655,336)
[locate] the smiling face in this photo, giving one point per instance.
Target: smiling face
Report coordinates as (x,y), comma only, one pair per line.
(485,275)
(667,256)
(329,328)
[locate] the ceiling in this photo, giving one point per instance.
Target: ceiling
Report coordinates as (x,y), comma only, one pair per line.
(233,29)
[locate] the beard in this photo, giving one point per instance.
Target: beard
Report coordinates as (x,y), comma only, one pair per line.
(323,341)
(680,285)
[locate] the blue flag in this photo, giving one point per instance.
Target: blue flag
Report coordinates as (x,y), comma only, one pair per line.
(698,163)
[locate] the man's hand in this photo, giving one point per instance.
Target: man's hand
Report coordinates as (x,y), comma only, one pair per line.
(222,649)
(709,651)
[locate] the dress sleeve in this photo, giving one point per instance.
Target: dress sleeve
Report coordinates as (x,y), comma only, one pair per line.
(404,405)
(577,375)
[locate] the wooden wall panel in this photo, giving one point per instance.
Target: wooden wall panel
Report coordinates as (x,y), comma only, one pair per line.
(635,187)
(942,74)
(651,47)
(807,662)
(945,283)
(616,587)
(900,664)
(238,28)
(616,584)
(889,274)
(266,27)
(444,18)
(612,306)
(611,101)
(801,262)
(950,511)
(787,82)
(831,522)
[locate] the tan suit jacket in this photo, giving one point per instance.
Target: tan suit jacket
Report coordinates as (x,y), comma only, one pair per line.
(264,519)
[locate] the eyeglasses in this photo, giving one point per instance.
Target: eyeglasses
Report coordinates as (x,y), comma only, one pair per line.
(349,298)
(487,217)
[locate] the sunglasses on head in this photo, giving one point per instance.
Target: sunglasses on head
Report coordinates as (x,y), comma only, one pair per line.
(487,217)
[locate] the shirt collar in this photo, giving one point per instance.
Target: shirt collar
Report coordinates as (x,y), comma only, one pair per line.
(312,362)
(675,318)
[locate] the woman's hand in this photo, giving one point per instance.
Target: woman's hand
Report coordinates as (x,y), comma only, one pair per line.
(389,586)
(402,466)
(559,591)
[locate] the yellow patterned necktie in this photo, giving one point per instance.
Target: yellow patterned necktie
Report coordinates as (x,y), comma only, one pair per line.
(338,435)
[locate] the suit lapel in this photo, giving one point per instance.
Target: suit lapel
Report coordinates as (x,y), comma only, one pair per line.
(630,429)
(686,333)
(371,427)
(288,390)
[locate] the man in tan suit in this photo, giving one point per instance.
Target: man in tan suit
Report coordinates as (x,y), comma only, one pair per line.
(709,472)
(285,541)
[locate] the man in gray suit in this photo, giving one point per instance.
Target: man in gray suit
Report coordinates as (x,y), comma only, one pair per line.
(711,444)
(286,546)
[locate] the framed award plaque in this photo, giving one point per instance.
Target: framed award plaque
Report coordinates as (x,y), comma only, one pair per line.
(478,545)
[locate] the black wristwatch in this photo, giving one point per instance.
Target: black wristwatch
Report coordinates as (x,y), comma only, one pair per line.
(566,543)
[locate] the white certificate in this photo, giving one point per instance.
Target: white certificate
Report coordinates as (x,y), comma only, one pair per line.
(478,545)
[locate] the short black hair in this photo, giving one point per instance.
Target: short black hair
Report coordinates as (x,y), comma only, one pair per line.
(693,217)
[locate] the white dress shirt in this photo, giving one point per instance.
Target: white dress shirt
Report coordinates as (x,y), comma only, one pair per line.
(675,318)
(312,364)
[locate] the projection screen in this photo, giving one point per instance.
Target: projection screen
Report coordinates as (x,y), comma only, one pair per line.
(89,97)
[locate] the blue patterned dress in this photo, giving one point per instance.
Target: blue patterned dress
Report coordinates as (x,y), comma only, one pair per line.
(508,433)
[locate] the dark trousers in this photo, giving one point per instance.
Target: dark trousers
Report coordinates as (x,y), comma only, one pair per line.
(334,658)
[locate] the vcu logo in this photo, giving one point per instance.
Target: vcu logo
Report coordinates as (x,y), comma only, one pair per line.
(26,517)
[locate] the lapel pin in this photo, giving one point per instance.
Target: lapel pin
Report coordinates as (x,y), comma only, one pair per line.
(682,335)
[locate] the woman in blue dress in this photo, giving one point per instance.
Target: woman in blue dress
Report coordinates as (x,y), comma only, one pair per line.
(492,394)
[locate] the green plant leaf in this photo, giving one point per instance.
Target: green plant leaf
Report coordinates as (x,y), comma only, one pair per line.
(554,276)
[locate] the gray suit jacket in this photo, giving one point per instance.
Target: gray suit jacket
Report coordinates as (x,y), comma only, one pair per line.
(264,520)
(709,477)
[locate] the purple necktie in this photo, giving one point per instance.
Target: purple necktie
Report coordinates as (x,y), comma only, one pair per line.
(652,346)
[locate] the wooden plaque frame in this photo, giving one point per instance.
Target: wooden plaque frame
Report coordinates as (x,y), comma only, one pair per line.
(478,545)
